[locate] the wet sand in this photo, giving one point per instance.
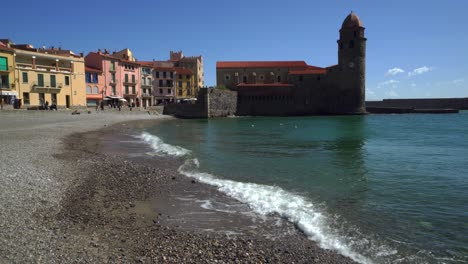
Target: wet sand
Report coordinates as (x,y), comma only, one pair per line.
(111,203)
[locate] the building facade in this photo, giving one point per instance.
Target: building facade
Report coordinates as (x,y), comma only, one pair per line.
(121,73)
(295,88)
(48,76)
(184,83)
(164,86)
(147,91)
(94,86)
(7,75)
(193,63)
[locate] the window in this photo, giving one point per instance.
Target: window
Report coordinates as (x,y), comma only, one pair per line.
(189,92)
(114,92)
(188,76)
(126,77)
(95,90)
(172,75)
(160,91)
(157,74)
(318,78)
(262,77)
(113,77)
(354,33)
(180,76)
(26,98)
(279,78)
(180,92)
(180,84)
(126,89)
(143,81)
(40,80)
(133,78)
(67,80)
(160,83)
(95,77)
(25,77)
(300,78)
(164,74)
(53,82)
(133,90)
(3,64)
(351,44)
(88,77)
(88,89)
(54,98)
(112,66)
(188,84)
(169,91)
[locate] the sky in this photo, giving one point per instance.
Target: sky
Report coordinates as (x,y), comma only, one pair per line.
(415,49)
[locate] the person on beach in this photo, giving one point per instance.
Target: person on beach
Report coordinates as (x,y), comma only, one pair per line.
(97,106)
(1,103)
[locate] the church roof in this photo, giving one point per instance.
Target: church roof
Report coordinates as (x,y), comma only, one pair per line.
(351,21)
(260,64)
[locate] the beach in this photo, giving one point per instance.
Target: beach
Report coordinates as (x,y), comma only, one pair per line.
(71,193)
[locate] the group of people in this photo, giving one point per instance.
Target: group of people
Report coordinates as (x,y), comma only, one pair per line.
(46,106)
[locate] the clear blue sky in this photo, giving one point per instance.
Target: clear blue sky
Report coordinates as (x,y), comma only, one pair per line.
(414,48)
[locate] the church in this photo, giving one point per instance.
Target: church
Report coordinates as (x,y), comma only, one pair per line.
(295,88)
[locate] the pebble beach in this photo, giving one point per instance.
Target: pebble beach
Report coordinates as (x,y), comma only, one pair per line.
(68,196)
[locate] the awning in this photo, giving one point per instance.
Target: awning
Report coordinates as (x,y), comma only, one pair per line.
(114,97)
(9,93)
(122,100)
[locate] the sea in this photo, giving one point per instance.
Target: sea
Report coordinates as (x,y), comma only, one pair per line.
(375,188)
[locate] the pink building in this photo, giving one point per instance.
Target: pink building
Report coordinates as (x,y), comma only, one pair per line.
(121,73)
(94,86)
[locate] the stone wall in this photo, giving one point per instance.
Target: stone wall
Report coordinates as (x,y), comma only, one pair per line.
(210,103)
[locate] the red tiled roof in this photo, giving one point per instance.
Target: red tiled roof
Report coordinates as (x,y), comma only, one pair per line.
(146,63)
(183,71)
(90,69)
(261,64)
(264,85)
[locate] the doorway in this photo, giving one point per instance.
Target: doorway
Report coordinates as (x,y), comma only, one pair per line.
(67,101)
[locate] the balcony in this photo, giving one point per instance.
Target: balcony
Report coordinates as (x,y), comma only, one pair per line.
(129,82)
(112,69)
(146,85)
(113,82)
(46,86)
(6,69)
(146,95)
(43,68)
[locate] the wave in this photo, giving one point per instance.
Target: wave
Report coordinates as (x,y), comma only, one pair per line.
(265,200)
(161,148)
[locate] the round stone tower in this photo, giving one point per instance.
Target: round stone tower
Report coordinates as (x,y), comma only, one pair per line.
(352,62)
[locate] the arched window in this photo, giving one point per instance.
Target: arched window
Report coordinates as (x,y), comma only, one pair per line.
(244,79)
(279,78)
(88,90)
(95,90)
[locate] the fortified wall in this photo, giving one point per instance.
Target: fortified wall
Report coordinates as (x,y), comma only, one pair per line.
(210,103)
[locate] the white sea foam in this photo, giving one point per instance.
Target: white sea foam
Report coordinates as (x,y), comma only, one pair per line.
(265,199)
(161,148)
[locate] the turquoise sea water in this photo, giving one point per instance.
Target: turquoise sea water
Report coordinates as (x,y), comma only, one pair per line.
(377,188)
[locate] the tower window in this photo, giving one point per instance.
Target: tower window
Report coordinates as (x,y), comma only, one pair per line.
(351,44)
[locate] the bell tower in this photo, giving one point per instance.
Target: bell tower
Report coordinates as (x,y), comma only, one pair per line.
(352,62)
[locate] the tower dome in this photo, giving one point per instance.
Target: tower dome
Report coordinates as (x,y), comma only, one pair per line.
(351,21)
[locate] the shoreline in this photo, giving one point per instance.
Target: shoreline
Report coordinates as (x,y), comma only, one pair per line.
(131,208)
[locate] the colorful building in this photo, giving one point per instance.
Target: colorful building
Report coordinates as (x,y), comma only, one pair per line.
(121,74)
(94,86)
(193,63)
(184,83)
(147,91)
(54,76)
(164,86)
(7,74)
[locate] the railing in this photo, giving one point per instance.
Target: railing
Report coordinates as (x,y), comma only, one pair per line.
(146,95)
(113,82)
(46,85)
(5,85)
(129,82)
(43,68)
(6,69)
(146,85)
(112,69)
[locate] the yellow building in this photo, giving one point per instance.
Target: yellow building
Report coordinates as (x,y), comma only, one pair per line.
(7,75)
(53,75)
(184,82)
